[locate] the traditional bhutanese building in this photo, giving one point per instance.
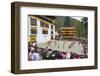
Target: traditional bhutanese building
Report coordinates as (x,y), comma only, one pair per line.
(41,28)
(67,32)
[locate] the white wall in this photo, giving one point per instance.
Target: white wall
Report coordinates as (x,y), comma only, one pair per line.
(42,37)
(5,33)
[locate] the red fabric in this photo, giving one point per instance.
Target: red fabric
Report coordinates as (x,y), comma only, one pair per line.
(64,55)
(75,56)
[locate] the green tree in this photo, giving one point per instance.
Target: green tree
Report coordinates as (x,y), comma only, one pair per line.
(81,26)
(59,21)
(67,21)
(80,29)
(85,23)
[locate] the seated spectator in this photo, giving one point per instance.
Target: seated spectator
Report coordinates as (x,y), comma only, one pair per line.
(69,55)
(64,55)
(44,54)
(53,55)
(48,53)
(59,55)
(75,56)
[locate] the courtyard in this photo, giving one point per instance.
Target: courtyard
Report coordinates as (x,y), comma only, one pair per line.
(63,45)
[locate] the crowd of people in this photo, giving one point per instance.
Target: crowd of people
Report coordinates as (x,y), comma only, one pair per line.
(36,53)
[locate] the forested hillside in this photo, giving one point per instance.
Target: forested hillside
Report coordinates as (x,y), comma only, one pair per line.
(81,25)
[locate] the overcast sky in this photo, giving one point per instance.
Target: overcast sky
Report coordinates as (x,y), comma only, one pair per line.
(78,18)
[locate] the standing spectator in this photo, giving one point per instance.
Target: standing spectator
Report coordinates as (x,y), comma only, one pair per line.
(34,44)
(35,56)
(30,50)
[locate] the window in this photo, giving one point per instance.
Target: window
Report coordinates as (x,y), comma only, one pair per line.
(68,34)
(33,22)
(32,38)
(44,31)
(51,32)
(33,31)
(51,26)
(44,24)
